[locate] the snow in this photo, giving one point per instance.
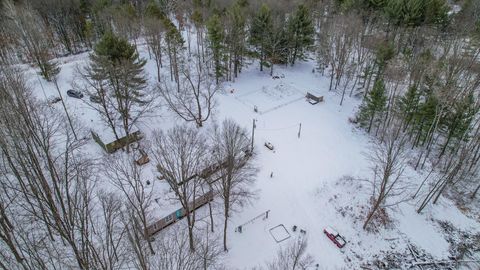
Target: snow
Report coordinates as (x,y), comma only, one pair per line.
(305,189)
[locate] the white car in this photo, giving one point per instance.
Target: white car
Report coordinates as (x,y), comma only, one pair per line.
(269,145)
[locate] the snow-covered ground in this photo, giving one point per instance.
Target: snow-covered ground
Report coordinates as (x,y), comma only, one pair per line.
(312,180)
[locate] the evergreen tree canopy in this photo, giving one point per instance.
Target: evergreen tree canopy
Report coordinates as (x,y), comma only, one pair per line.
(114,48)
(116,61)
(278,43)
(216,37)
(384,53)
(236,33)
(117,74)
(261,26)
(173,36)
(300,32)
(373,105)
(407,13)
(153,11)
(260,31)
(426,113)
(459,116)
(197,17)
(407,105)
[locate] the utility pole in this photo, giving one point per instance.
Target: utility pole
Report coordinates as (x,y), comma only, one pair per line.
(253,133)
(299,130)
(43,89)
(64,106)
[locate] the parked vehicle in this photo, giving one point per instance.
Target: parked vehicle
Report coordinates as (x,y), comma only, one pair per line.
(269,146)
(336,238)
(74,94)
(95,99)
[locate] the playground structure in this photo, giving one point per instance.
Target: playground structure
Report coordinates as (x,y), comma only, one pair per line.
(263,216)
(279,233)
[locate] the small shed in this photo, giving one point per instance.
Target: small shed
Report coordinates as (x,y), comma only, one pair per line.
(124,141)
(312,99)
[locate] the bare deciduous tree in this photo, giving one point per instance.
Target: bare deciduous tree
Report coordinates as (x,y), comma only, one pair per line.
(232,152)
(45,170)
(124,173)
(180,155)
(153,35)
(30,32)
(389,161)
(110,232)
(174,251)
(208,249)
(136,241)
(293,257)
(194,102)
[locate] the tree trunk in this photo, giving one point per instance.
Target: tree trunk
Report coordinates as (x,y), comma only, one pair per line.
(474,194)
(65,108)
(225,224)
(372,212)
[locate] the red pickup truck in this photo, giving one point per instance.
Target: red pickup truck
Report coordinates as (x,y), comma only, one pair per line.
(335,237)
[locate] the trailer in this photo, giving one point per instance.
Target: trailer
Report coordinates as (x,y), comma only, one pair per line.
(179,214)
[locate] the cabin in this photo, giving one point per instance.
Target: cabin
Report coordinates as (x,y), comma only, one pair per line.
(312,99)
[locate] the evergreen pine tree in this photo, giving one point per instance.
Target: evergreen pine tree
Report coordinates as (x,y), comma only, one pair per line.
(376,3)
(153,11)
(457,120)
(216,38)
(175,43)
(277,45)
(236,37)
(49,69)
(413,12)
(117,67)
(436,12)
(425,116)
(373,105)
(393,11)
(260,31)
(384,53)
(301,33)
(408,105)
